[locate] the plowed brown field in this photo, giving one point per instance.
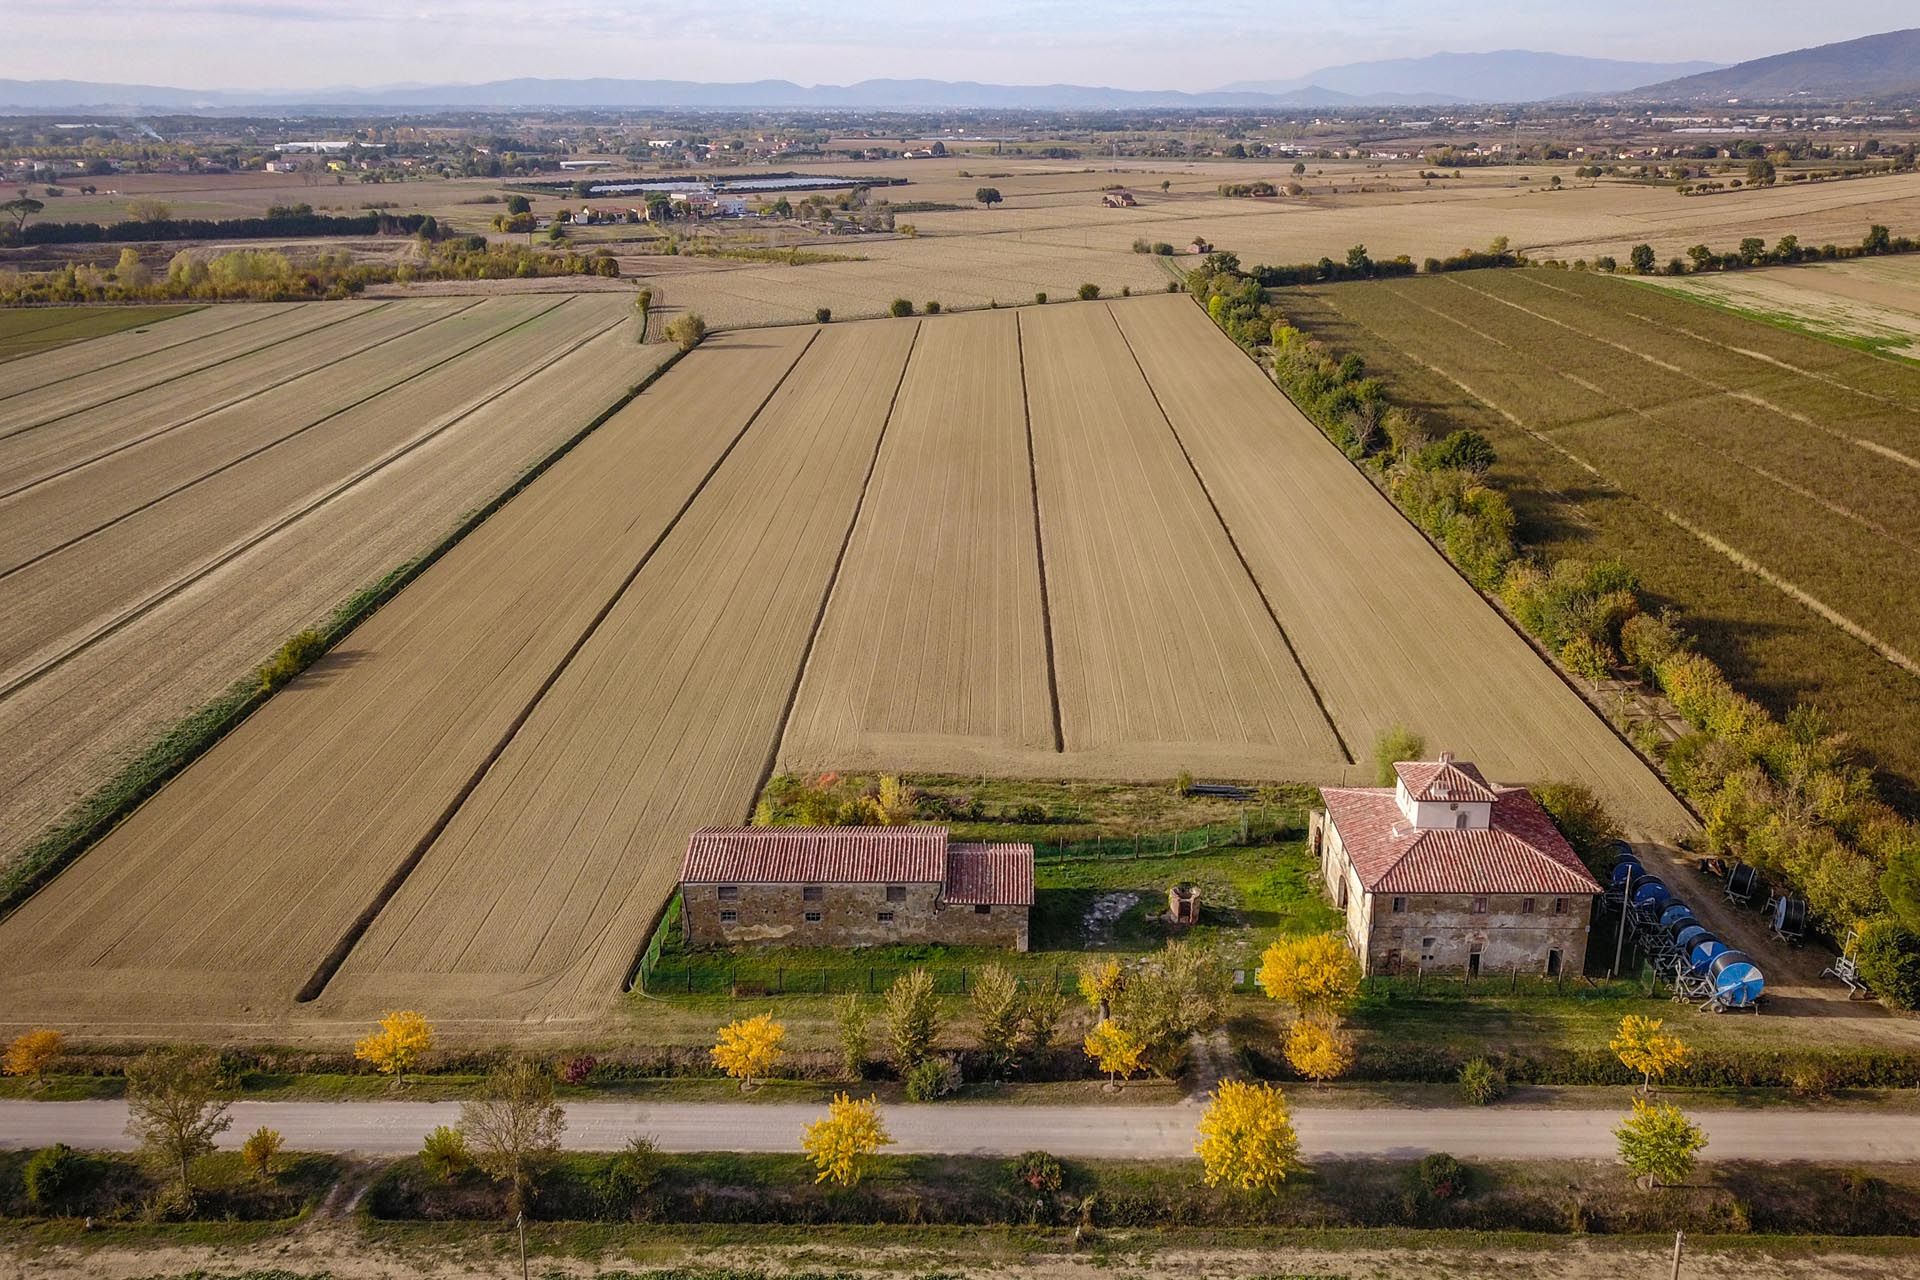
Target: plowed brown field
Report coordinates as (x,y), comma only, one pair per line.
(59,737)
(89,387)
(1165,654)
(105,563)
(540,894)
(324,360)
(855,543)
(303,814)
(1387,631)
(96,355)
(933,652)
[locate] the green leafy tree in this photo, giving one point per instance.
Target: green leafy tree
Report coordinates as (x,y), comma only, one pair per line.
(444,1154)
(1583,820)
(988,196)
(913,1018)
(900,307)
(1642,259)
(995,998)
(1394,745)
(1659,1143)
(853,1024)
(687,330)
(176,1108)
(20,210)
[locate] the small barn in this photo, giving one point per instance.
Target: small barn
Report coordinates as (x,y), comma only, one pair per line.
(1444,871)
(1119,199)
(853,887)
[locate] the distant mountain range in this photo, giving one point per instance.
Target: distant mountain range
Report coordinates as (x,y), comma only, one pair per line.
(1874,65)
(1449,78)
(1884,65)
(1504,75)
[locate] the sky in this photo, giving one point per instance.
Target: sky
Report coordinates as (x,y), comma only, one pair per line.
(1135,44)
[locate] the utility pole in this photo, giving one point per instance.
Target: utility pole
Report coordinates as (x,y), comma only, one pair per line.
(1626,905)
(1678,1238)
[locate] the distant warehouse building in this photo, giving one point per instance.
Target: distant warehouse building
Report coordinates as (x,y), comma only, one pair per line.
(853,887)
(1443,871)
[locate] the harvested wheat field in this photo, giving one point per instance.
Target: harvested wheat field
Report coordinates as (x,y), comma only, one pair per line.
(846,543)
(226,893)
(59,738)
(542,891)
(1870,302)
(933,651)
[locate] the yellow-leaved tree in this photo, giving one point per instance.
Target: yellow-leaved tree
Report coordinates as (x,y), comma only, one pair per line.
(749,1050)
(396,1047)
(895,801)
(1659,1143)
(1317,1051)
(1316,974)
(1642,1047)
(1100,982)
(1114,1050)
(842,1142)
(30,1053)
(1246,1137)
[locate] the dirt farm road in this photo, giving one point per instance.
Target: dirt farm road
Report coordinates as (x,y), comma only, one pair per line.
(396,1128)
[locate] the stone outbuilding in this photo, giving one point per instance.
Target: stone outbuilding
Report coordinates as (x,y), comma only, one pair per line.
(1444,872)
(853,887)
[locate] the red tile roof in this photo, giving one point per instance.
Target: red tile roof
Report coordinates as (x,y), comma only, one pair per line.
(999,875)
(817,855)
(1522,852)
(1442,779)
(970,874)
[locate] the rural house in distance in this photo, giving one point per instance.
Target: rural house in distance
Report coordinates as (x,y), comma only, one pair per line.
(853,887)
(1444,871)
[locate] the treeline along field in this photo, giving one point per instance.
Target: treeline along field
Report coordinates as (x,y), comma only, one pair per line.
(1764,482)
(475,804)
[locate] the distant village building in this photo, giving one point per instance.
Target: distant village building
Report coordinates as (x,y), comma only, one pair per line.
(1443,871)
(853,887)
(1119,200)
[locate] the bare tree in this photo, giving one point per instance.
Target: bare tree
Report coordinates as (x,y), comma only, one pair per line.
(514,1125)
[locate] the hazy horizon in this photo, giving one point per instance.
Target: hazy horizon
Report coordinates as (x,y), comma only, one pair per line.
(297,45)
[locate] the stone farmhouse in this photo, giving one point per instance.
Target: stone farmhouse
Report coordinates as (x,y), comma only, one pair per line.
(1445,872)
(853,887)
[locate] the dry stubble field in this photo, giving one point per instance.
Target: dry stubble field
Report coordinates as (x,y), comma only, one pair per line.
(475,804)
(1766,482)
(1875,302)
(158,551)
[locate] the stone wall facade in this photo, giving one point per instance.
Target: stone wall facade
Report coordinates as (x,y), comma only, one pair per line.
(842,915)
(1534,935)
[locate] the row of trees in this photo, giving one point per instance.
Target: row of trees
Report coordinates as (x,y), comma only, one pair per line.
(1786,794)
(1754,252)
(267,275)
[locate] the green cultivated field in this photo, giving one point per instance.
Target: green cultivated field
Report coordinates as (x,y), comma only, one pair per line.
(26,330)
(1729,461)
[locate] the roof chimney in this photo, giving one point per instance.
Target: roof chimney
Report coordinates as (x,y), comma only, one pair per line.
(1446,757)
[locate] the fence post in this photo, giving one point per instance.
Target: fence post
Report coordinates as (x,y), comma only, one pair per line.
(689,977)
(779,980)
(1513,978)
